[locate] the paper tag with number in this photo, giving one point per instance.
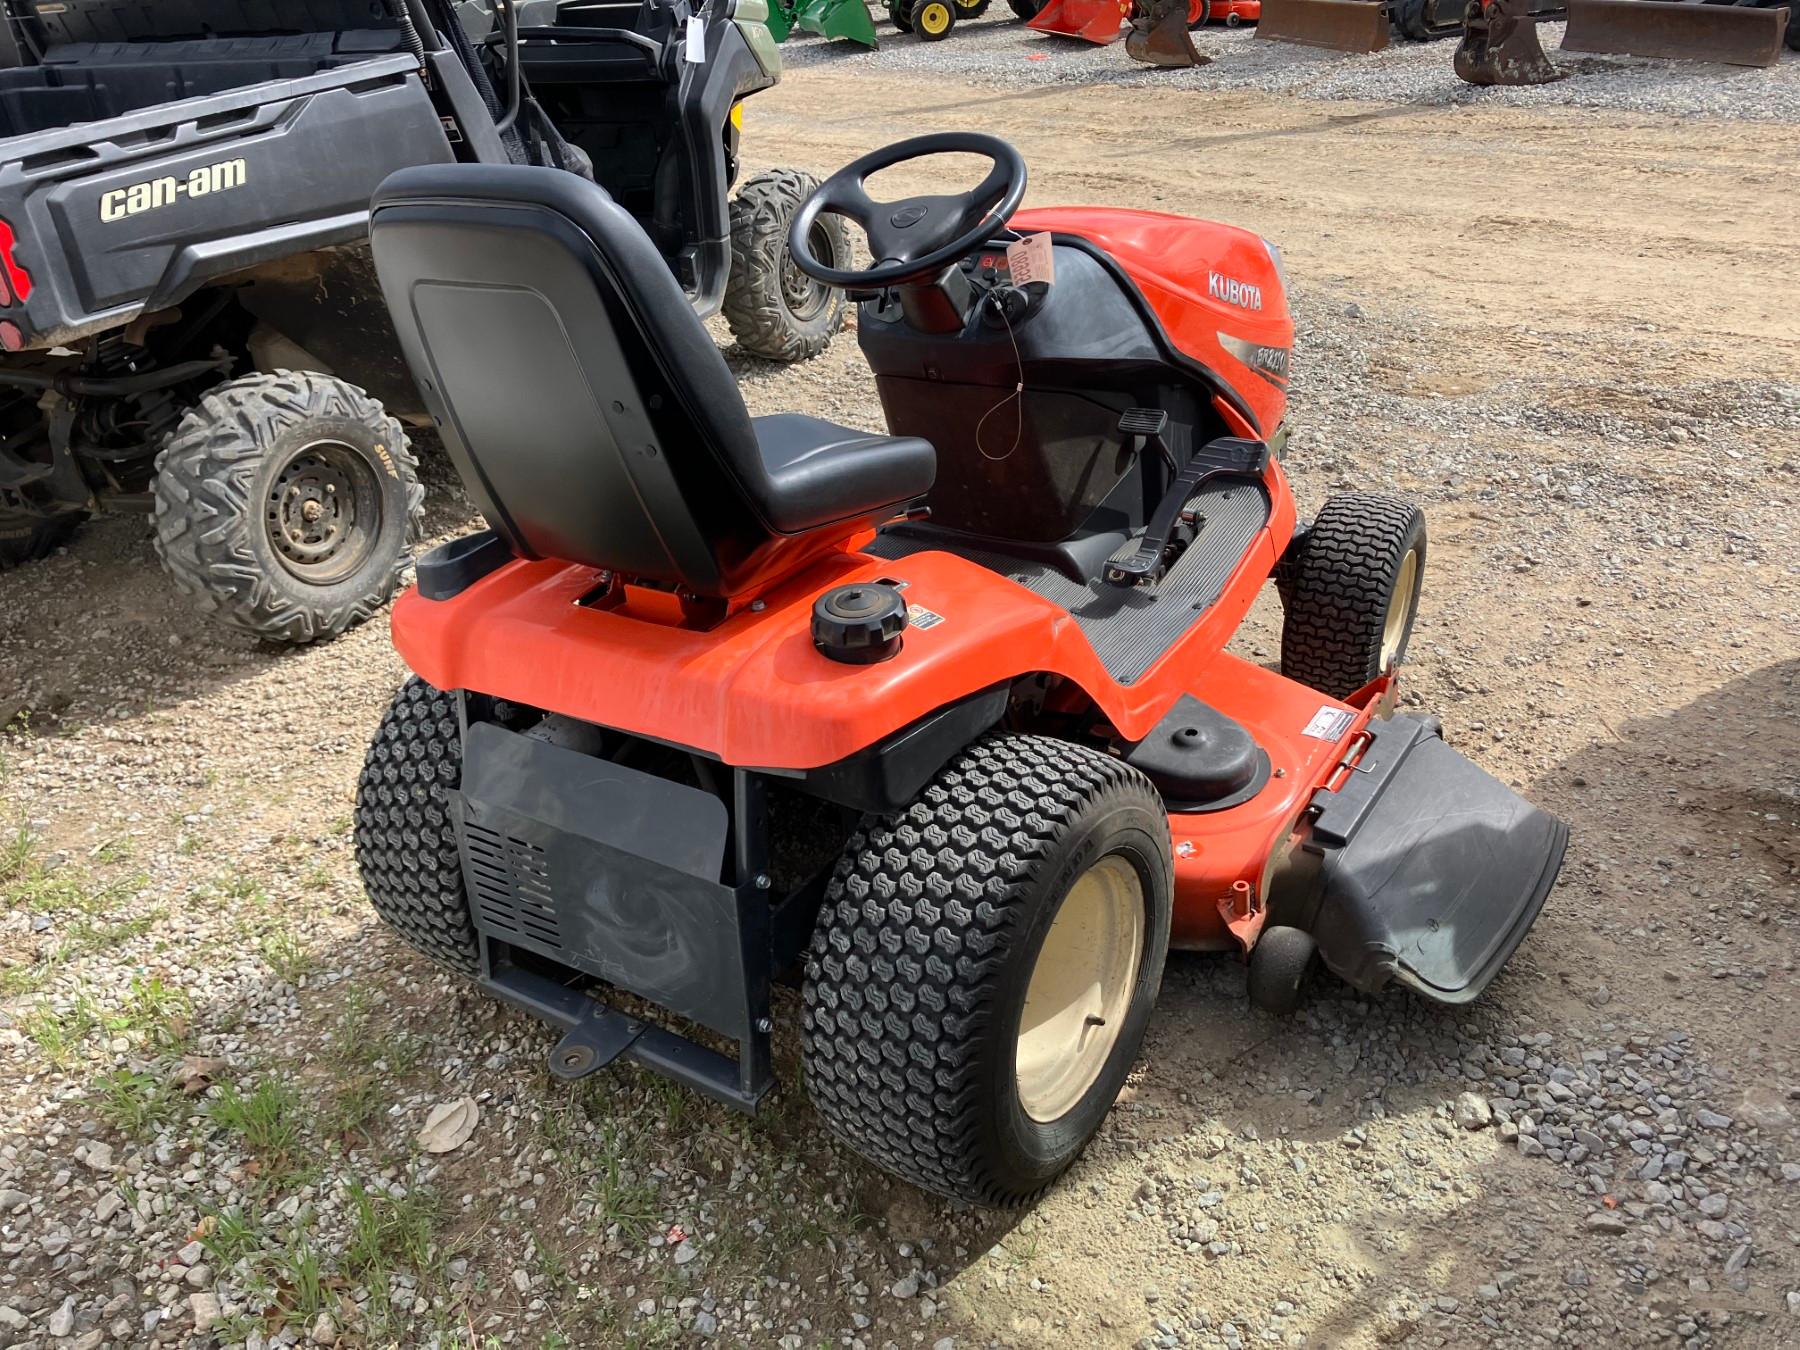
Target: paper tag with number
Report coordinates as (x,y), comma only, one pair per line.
(696,41)
(1031,259)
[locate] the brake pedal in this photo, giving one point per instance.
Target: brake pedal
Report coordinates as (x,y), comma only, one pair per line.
(1172,526)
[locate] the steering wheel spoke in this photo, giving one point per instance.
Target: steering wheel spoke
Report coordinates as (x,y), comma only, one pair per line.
(912,240)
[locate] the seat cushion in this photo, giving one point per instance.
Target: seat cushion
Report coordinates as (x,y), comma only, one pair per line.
(819,472)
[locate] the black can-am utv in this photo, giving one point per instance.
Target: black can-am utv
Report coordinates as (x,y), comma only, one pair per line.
(189,324)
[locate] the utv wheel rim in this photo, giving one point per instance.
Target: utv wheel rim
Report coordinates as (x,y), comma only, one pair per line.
(1080,989)
(323,512)
(934,19)
(1400,606)
(805,297)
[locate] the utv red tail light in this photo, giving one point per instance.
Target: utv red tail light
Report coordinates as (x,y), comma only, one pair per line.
(15,281)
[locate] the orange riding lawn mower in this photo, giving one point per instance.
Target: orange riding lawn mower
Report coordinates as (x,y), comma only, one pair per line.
(937,723)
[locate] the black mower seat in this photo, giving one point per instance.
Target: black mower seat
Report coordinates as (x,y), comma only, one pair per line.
(584,404)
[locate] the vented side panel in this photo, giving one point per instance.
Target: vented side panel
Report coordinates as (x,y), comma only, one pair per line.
(510,881)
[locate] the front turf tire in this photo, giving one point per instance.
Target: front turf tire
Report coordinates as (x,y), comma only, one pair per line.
(1350,592)
(926,947)
(774,310)
(286,504)
(405,839)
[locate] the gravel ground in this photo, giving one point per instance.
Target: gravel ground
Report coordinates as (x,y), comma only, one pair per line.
(218,1076)
(997,50)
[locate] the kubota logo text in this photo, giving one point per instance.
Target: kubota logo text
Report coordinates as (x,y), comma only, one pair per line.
(1233,292)
(156,193)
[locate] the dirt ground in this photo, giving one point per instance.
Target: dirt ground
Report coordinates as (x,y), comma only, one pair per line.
(1572,335)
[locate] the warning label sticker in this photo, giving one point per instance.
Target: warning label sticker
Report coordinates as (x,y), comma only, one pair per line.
(920,617)
(1329,723)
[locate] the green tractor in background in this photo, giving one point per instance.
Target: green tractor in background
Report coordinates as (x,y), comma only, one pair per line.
(828,18)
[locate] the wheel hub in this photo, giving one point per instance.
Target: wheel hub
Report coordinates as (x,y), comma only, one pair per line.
(806,298)
(1399,614)
(323,512)
(1080,989)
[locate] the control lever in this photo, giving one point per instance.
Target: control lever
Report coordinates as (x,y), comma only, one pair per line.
(1173,527)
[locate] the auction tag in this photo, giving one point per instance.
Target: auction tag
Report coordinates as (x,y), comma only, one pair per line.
(1329,723)
(1031,259)
(696,41)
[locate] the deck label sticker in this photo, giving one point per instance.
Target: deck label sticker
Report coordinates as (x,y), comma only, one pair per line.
(1329,724)
(920,617)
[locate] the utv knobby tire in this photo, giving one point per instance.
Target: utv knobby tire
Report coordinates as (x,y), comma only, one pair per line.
(27,535)
(218,479)
(405,840)
(773,309)
(925,944)
(1337,587)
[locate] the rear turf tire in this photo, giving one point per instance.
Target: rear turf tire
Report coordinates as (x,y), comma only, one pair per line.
(405,840)
(27,534)
(926,948)
(1349,593)
(232,488)
(774,310)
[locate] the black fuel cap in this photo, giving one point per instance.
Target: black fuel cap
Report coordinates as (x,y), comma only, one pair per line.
(859,625)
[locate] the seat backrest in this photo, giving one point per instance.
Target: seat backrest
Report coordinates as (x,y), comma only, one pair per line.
(584,404)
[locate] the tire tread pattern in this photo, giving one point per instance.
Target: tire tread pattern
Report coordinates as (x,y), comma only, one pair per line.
(1335,592)
(918,923)
(405,839)
(754,307)
(205,478)
(27,535)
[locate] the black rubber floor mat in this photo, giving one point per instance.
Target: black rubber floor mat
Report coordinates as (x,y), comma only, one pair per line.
(1131,627)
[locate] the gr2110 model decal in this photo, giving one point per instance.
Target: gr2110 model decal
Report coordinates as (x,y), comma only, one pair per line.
(1269,362)
(155,193)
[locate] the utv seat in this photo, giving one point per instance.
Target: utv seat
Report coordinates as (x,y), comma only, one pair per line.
(587,409)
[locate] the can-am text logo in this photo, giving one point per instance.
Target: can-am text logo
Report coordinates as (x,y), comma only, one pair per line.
(1232,292)
(156,193)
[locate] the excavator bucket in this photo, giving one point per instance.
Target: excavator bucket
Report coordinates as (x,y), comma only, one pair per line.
(1500,45)
(836,19)
(1096,21)
(1732,35)
(1159,35)
(1338,25)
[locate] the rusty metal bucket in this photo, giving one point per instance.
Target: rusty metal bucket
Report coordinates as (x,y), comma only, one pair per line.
(1337,25)
(1732,35)
(1159,35)
(1500,46)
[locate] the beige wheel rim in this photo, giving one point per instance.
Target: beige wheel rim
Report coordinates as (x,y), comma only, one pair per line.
(1399,614)
(1080,989)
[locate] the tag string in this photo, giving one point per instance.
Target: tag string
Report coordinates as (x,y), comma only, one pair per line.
(1017,395)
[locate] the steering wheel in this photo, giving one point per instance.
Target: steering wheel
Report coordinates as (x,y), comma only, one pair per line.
(913,239)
